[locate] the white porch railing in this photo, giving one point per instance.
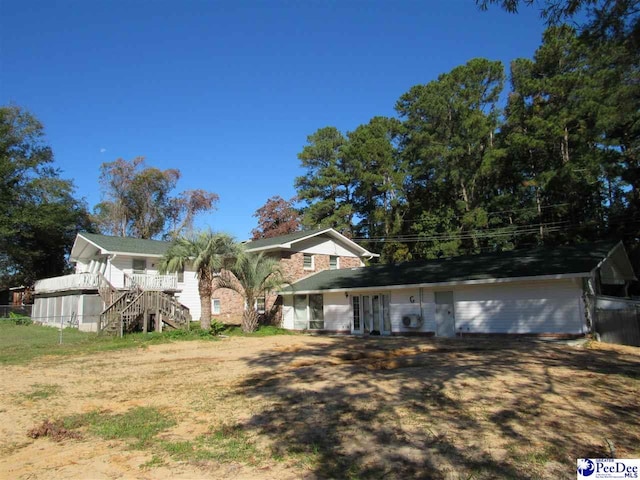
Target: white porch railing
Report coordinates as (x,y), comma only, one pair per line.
(159,283)
(89,281)
(76,281)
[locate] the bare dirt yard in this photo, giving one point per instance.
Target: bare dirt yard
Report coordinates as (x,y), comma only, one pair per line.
(286,407)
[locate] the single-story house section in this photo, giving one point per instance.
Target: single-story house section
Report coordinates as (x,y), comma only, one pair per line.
(541,291)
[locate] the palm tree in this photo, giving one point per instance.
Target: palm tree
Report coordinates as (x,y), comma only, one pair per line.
(209,253)
(252,276)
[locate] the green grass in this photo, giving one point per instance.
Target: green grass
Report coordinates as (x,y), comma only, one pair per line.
(263,331)
(140,424)
(22,343)
(41,391)
(224,445)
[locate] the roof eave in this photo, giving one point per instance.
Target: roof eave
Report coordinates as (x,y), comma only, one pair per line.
(484,281)
(363,252)
(609,253)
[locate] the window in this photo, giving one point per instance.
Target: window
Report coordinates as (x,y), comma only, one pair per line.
(300,312)
(139,265)
(308,261)
(260,304)
(316,312)
(215,308)
(333,263)
(356,313)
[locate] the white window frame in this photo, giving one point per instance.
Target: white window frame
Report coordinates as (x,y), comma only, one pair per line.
(337,267)
(138,271)
(313,263)
(214,310)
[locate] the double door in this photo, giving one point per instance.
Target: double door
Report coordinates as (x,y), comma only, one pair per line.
(371,314)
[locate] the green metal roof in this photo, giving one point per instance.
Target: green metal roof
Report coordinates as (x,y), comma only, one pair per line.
(275,241)
(513,264)
(135,246)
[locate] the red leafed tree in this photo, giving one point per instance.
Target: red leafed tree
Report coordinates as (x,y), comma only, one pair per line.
(276,217)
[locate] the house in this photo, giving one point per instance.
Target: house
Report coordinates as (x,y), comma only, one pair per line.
(115,278)
(118,277)
(541,291)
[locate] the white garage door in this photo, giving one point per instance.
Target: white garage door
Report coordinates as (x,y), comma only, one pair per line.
(534,307)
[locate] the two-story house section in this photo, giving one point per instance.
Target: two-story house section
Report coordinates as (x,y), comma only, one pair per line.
(114,272)
(107,267)
(300,254)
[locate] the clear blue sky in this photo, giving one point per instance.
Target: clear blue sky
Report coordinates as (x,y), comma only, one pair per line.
(227,91)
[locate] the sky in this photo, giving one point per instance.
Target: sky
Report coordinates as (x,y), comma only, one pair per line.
(228,91)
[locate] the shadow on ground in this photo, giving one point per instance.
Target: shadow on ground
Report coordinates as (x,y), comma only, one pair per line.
(409,408)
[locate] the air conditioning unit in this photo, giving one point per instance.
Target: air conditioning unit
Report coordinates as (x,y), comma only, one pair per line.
(412,321)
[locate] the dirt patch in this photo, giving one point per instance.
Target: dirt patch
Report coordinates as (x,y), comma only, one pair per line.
(290,407)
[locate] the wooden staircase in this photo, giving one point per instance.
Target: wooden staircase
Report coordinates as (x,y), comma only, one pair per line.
(135,310)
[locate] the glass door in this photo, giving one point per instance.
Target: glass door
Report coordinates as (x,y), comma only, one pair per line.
(367,317)
(371,313)
(356,324)
(386,315)
(316,310)
(375,310)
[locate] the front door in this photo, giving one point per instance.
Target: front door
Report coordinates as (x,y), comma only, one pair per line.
(371,313)
(445,315)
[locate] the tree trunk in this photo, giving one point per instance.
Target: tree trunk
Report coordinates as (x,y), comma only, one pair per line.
(465,196)
(564,146)
(250,320)
(539,209)
(204,289)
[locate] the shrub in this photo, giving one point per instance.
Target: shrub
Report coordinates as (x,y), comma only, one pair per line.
(20,319)
(217,327)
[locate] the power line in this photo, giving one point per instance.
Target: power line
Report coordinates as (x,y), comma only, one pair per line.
(551,227)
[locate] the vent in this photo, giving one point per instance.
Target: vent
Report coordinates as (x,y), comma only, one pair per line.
(411,321)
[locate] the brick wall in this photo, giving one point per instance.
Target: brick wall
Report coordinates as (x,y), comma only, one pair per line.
(232,303)
(293,264)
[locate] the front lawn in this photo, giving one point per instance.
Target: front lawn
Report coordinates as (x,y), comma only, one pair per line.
(288,407)
(22,342)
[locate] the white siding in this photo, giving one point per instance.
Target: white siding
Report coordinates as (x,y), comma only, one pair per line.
(287,312)
(401,305)
(82,266)
(323,246)
(534,307)
(189,296)
(116,269)
(337,312)
(549,306)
